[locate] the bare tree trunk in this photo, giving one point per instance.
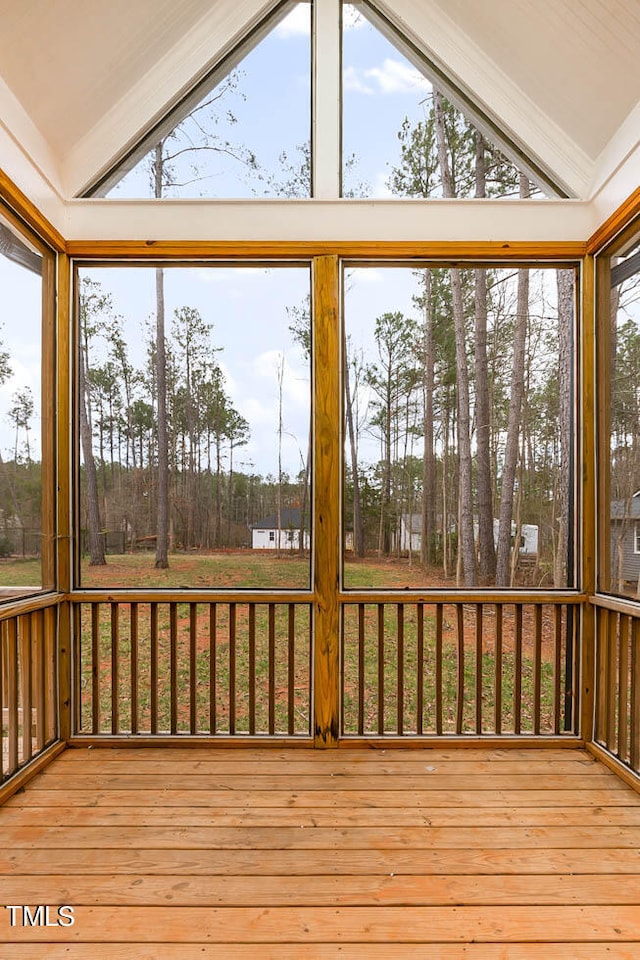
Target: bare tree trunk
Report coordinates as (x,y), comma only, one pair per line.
(96,540)
(427,539)
(358,529)
(466,543)
(486,546)
(513,422)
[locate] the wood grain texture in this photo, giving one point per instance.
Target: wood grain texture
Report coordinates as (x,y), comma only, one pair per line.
(326,526)
(517,854)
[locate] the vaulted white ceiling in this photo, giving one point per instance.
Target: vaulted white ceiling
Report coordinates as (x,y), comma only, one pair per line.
(80,80)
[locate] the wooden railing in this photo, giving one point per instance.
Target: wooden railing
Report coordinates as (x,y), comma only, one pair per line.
(28,682)
(457,667)
(617,700)
(176,666)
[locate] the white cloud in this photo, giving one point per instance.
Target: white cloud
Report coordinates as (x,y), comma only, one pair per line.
(364,275)
(381,189)
(397,77)
(297,23)
(353,82)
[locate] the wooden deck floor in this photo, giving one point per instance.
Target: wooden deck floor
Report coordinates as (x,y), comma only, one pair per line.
(370,854)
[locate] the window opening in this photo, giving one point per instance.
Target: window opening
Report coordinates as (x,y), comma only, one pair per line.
(244,131)
(201,488)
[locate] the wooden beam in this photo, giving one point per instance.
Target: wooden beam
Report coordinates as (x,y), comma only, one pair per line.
(29,213)
(326,482)
(612,226)
(450,251)
(589,502)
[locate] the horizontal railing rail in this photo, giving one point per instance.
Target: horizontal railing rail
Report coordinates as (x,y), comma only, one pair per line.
(425,666)
(617,697)
(167,667)
(28,682)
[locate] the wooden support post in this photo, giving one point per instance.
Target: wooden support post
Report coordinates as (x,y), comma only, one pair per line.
(587,361)
(63,553)
(326,335)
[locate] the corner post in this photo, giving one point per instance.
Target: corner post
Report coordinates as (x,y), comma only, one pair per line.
(327,439)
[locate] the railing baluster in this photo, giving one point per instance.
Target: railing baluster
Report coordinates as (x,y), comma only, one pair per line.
(252,668)
(537,668)
(479,639)
(601,675)
(24,633)
(623,686)
(635,696)
(400,668)
(497,688)
(115,668)
(39,679)
(193,667)
(12,692)
(232,668)
(291,670)
(134,636)
(95,668)
(612,678)
(557,669)
(381,668)
(173,667)
(420,668)
(460,668)
(213,673)
(439,612)
(272,668)
(517,684)
(153,666)
(361,667)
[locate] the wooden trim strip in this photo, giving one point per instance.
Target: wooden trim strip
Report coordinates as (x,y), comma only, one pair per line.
(629,607)
(400,668)
(634,749)
(183,596)
(15,608)
(153,666)
(463,597)
(13,196)
(630,777)
(95,668)
(557,670)
(537,668)
(173,667)
(232,667)
(272,668)
(466,741)
(361,667)
(11,675)
(439,625)
(154,250)
(611,681)
(612,226)
(24,774)
(213,673)
(39,678)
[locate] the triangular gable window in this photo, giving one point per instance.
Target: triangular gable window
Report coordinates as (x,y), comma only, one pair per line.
(243,131)
(399,112)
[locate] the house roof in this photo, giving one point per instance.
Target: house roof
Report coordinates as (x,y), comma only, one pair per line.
(289,520)
(80,81)
(626,509)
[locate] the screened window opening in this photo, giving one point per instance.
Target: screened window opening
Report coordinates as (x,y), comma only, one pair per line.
(459,427)
(245,131)
(402,134)
(194,407)
(23,528)
(623,518)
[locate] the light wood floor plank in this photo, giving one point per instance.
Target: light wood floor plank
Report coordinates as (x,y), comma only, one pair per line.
(371,924)
(314,890)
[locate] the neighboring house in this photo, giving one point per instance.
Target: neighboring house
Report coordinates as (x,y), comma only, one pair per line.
(410,535)
(265,535)
(625,539)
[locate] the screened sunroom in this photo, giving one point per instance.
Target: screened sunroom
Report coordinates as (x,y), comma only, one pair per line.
(320,479)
